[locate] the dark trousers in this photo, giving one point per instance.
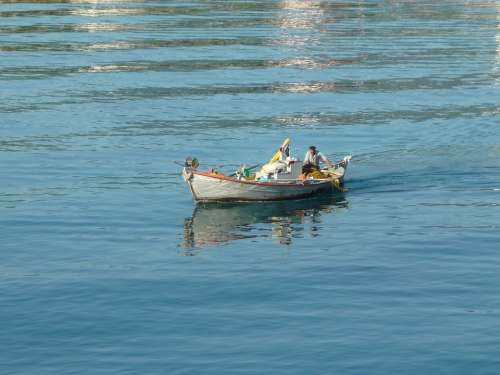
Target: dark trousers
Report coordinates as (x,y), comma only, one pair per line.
(309,168)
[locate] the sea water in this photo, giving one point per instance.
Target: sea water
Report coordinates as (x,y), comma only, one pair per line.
(108,267)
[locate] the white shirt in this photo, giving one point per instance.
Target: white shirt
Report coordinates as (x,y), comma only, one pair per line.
(314,159)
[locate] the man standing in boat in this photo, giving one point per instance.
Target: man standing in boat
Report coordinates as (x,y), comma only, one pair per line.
(312,159)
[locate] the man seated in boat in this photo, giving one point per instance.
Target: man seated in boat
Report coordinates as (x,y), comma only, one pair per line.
(311,162)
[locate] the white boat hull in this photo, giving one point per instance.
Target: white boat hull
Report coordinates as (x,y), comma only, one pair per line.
(206,186)
(209,188)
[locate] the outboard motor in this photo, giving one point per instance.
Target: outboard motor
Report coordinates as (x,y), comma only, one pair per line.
(191,163)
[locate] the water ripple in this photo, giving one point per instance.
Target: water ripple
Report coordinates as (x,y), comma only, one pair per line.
(30,72)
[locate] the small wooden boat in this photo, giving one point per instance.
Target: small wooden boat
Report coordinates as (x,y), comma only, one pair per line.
(277,180)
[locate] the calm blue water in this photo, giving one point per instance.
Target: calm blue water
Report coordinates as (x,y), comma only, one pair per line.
(107,266)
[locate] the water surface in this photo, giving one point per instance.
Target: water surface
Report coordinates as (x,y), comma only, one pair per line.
(107,266)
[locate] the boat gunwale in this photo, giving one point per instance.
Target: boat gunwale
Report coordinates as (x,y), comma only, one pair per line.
(260,183)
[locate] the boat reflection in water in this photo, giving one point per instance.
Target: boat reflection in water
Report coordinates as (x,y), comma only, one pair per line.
(218,223)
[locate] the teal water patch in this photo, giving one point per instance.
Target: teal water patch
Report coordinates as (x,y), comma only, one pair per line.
(107,265)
